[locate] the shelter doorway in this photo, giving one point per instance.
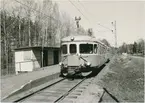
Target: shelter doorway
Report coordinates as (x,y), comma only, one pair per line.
(45,58)
(56,57)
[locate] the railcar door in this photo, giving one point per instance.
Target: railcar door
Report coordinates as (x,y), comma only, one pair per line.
(73,59)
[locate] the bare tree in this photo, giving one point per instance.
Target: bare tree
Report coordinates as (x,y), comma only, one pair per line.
(46,23)
(68,26)
(19,10)
(105,42)
(28,6)
(55,23)
(38,21)
(5,36)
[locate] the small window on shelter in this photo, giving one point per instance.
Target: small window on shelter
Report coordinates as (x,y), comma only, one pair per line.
(95,48)
(73,48)
(64,49)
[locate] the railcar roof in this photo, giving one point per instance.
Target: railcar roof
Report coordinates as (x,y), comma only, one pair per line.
(78,38)
(81,38)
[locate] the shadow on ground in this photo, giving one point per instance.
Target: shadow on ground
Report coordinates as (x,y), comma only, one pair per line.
(94,73)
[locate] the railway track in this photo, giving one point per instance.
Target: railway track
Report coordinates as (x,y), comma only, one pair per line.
(62,91)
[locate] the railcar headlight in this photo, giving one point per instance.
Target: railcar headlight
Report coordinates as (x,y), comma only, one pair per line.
(88,64)
(65,66)
(72,38)
(81,65)
(60,63)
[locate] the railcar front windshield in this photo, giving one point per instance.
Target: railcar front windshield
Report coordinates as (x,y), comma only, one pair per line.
(64,49)
(73,48)
(86,48)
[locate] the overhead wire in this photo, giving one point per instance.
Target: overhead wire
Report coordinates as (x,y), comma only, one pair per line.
(92,16)
(105,27)
(79,10)
(87,12)
(84,8)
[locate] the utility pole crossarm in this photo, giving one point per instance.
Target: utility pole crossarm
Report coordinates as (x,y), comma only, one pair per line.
(104,26)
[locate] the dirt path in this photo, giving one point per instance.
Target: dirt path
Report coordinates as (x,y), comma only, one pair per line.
(123,78)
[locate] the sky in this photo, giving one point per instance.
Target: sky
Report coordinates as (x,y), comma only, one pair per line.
(129,17)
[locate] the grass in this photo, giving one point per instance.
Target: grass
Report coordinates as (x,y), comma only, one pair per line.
(125,79)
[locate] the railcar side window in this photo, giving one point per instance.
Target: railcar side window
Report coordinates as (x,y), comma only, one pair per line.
(103,50)
(86,48)
(72,48)
(95,48)
(64,49)
(100,49)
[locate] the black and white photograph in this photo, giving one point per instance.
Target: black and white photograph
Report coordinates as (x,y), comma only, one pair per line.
(72,51)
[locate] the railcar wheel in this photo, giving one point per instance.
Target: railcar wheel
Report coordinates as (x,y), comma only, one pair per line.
(63,74)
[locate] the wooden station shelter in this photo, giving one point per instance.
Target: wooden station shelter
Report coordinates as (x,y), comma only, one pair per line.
(32,58)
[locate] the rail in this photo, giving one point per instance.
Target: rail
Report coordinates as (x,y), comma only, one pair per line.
(56,84)
(22,98)
(64,95)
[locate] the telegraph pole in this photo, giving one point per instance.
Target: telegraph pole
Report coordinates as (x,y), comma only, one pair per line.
(115,33)
(77,21)
(42,51)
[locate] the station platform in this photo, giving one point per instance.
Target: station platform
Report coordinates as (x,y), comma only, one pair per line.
(11,84)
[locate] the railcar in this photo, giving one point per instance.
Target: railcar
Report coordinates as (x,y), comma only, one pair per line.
(81,54)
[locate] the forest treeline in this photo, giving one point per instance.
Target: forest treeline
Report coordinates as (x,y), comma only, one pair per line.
(27,23)
(137,48)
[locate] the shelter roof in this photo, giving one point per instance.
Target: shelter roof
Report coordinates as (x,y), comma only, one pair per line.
(36,47)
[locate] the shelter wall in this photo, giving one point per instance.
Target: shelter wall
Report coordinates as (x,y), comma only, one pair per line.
(23,60)
(36,58)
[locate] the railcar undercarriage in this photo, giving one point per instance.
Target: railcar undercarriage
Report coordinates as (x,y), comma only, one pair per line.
(72,71)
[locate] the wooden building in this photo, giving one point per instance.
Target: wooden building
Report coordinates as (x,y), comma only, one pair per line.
(31,58)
